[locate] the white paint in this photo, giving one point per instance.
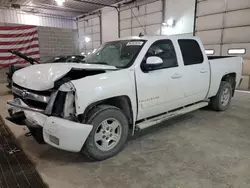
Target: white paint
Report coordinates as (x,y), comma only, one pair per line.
(109,24)
(47,74)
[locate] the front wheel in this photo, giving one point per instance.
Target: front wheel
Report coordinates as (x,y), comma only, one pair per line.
(222,100)
(109,133)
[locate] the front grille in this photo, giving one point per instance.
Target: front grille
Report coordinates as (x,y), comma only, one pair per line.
(32,103)
(45,93)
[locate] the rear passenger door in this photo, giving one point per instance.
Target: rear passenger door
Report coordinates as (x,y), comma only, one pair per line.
(196,70)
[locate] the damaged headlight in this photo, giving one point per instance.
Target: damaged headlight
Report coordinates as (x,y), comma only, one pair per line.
(62,103)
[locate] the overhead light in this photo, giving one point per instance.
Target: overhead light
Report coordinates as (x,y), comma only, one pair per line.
(236,51)
(170,22)
(209,52)
(83,53)
(88,53)
(87,39)
(60,2)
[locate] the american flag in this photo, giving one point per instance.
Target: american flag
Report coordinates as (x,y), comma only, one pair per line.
(18,38)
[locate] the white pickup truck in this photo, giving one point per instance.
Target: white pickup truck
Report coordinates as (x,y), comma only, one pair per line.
(126,85)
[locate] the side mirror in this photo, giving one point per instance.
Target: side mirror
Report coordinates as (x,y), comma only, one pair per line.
(153,62)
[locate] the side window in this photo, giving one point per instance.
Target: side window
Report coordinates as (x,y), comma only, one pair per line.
(191,51)
(165,50)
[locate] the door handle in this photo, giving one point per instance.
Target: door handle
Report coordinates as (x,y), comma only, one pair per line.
(176,75)
(203,71)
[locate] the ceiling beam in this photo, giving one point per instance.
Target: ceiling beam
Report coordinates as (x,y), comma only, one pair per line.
(95,3)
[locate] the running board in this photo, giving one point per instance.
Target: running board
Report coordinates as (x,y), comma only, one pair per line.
(161,118)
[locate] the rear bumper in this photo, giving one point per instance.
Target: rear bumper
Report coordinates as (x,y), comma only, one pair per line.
(57,132)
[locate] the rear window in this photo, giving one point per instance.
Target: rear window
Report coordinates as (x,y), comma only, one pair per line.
(191,51)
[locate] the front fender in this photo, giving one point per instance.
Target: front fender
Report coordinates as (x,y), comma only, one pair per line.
(103,86)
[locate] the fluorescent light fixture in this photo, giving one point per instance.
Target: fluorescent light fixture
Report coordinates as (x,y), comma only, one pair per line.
(210,52)
(83,53)
(87,39)
(88,53)
(236,51)
(60,2)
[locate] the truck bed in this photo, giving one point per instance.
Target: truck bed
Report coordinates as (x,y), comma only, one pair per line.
(220,66)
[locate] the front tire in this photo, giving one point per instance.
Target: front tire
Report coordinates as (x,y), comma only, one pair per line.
(222,100)
(109,134)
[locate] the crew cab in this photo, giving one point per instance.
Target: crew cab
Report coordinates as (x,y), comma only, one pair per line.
(125,86)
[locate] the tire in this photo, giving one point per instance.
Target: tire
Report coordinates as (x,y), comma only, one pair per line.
(217,102)
(104,118)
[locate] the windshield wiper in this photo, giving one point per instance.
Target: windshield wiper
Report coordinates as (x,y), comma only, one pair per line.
(98,62)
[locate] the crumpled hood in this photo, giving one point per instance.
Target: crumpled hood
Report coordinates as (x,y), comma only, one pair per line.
(42,76)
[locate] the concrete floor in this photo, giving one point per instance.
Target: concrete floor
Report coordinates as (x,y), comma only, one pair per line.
(203,149)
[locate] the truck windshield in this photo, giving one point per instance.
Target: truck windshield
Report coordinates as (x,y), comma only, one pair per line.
(116,53)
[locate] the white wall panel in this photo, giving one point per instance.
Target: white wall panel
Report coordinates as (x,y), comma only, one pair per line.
(96,45)
(142,16)
(136,31)
(18,17)
(138,21)
(209,22)
(210,7)
(237,4)
(237,18)
(153,7)
(125,24)
(210,37)
(154,18)
(90,30)
(125,32)
(96,29)
(153,29)
(109,24)
(236,35)
(125,14)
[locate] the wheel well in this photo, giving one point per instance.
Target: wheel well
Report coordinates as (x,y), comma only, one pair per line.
(121,102)
(230,78)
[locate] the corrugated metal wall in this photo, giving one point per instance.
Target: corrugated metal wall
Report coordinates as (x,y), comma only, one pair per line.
(224,27)
(18,17)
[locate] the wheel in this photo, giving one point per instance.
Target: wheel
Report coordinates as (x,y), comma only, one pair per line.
(222,100)
(109,134)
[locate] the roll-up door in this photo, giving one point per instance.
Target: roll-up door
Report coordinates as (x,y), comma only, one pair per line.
(224,28)
(145,18)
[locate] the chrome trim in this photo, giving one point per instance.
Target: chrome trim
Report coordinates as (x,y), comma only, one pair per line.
(17,104)
(28,95)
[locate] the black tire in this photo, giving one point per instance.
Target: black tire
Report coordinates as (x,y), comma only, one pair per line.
(95,118)
(216,101)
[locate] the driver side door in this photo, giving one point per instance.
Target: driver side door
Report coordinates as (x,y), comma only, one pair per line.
(160,89)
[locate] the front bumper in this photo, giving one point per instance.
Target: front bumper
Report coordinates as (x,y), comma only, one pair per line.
(57,132)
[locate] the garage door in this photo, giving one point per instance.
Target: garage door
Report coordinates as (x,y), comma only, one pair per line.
(141,18)
(89,30)
(224,27)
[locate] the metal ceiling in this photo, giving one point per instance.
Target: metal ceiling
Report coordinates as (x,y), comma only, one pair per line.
(70,8)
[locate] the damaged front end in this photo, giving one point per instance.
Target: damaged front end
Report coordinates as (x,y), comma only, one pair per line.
(54,115)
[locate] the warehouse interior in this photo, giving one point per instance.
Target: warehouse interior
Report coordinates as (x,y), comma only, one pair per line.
(201,149)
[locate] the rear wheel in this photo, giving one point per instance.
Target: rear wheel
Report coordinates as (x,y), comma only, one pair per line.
(222,100)
(109,133)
